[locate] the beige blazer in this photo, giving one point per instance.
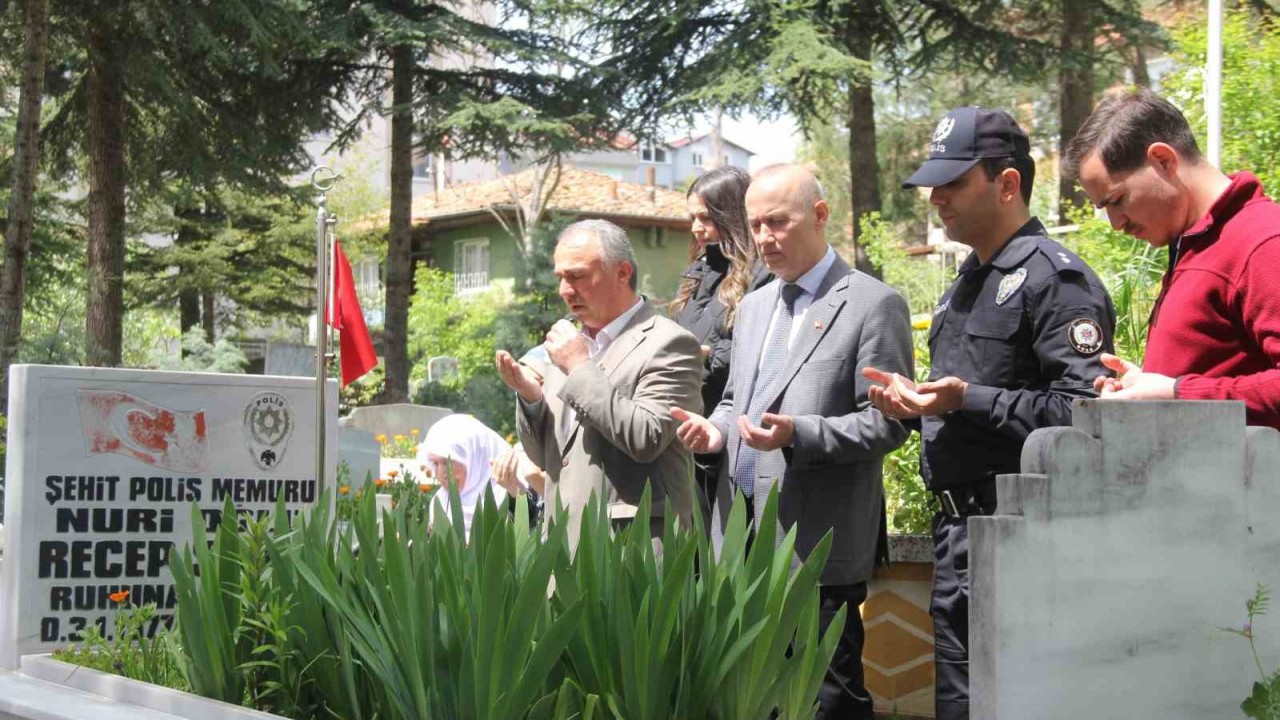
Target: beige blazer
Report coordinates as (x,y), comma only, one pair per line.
(623,435)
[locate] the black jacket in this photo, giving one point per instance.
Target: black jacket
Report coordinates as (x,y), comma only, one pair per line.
(1026,331)
(704,316)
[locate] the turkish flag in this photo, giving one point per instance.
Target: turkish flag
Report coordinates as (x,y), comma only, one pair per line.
(345,316)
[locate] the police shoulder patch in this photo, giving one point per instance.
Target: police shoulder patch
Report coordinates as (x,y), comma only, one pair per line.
(1085,336)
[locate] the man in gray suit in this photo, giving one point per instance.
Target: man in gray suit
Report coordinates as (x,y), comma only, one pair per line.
(796,413)
(595,416)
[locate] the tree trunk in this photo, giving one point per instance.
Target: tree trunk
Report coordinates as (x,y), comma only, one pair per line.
(105,310)
(1141,76)
(207,316)
(399,259)
(864,166)
(189,297)
(26,153)
(1075,91)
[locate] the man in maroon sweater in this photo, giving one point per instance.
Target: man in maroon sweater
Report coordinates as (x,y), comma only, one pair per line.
(1215,329)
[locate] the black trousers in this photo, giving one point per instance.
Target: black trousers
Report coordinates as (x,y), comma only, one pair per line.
(949,604)
(843,695)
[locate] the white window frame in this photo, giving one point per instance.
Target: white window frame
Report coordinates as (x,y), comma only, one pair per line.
(470,266)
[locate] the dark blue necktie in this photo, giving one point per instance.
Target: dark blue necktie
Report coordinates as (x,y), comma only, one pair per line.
(775,356)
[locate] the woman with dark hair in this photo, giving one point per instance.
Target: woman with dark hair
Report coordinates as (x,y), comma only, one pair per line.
(725,267)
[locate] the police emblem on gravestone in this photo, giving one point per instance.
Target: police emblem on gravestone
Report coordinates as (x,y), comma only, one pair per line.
(268,425)
(1085,336)
(1010,284)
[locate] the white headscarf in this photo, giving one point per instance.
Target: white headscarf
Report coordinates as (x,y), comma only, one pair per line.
(470,442)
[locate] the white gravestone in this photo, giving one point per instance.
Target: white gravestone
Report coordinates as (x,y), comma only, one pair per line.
(103,468)
(1129,539)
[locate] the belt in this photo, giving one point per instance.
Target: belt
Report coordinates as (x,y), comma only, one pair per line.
(979,499)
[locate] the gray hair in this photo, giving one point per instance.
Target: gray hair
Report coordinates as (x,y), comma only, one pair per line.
(615,246)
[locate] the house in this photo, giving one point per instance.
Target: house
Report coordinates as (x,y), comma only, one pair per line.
(456,228)
(691,156)
(674,164)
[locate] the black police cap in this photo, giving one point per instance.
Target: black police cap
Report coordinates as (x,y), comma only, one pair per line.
(962,138)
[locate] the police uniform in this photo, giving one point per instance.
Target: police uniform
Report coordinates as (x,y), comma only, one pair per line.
(1025,331)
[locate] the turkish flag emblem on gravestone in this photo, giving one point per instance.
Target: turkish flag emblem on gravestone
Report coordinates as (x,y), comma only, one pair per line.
(117,422)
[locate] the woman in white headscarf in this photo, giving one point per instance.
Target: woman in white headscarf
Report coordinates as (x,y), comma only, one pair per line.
(459,449)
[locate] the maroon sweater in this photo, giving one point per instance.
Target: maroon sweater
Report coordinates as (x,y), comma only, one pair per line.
(1216,325)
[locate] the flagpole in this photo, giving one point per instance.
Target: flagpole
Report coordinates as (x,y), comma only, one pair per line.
(323,279)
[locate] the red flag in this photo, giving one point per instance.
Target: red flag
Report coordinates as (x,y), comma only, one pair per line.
(358,355)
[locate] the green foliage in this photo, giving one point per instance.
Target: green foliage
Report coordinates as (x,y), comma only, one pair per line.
(442,323)
(288,617)
(200,356)
(132,651)
(1263,702)
(1250,89)
(920,281)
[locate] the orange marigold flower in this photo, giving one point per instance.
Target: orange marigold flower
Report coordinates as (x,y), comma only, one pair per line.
(119,596)
(344,490)
(425,487)
(392,473)
(381,482)
(381,438)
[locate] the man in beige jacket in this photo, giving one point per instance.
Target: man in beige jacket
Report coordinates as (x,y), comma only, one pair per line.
(596,416)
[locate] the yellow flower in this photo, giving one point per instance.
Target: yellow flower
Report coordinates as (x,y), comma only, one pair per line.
(414,432)
(344,490)
(399,438)
(921,322)
(381,438)
(511,438)
(119,596)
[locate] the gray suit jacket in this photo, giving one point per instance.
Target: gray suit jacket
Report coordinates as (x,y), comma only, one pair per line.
(623,434)
(830,476)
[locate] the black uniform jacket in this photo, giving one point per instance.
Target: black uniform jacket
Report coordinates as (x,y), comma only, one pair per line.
(1026,331)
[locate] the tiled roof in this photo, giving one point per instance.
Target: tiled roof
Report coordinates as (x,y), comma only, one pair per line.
(681,142)
(580,191)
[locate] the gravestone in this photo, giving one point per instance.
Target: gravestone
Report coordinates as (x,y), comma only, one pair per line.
(103,469)
(441,367)
(396,418)
(292,359)
(1127,542)
(361,452)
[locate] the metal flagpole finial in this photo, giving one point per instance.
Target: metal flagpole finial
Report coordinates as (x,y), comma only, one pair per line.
(323,178)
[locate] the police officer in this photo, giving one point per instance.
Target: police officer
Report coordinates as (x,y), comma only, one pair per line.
(1014,340)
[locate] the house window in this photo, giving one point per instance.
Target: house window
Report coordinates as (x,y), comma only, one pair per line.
(470,266)
(423,166)
(697,158)
(654,154)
